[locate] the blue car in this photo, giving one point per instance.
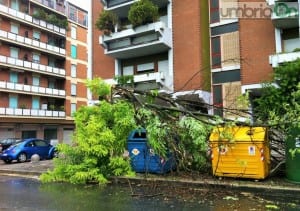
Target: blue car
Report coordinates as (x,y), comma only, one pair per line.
(28,147)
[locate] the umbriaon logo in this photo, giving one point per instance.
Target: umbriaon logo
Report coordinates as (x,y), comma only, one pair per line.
(257,10)
(286,9)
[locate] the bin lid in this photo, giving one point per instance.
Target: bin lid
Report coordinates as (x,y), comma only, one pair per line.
(236,133)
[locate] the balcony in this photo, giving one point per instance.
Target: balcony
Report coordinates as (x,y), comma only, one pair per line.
(143,40)
(30,66)
(57,7)
(290,52)
(285,14)
(30,43)
(31,90)
(158,77)
(20,16)
(277,59)
(34,113)
(121,7)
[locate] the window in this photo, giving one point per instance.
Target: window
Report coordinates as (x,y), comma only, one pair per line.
(15,5)
(35,81)
(128,70)
(214,11)
(13,101)
(73,32)
(145,67)
(35,58)
(13,77)
(14,28)
(73,89)
(51,62)
(35,103)
(36,35)
(73,70)
(216,52)
(14,52)
(72,13)
(74,51)
(73,108)
(51,84)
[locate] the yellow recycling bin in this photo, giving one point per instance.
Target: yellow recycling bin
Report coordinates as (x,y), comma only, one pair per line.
(241,152)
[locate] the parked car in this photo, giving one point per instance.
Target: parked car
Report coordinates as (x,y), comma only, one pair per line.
(26,148)
(5,143)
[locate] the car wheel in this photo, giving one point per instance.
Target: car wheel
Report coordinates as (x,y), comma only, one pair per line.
(22,157)
(7,161)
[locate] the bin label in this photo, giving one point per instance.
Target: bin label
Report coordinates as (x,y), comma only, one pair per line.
(297,142)
(223,149)
(251,150)
(135,151)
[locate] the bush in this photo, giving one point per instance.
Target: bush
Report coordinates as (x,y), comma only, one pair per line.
(143,12)
(106,22)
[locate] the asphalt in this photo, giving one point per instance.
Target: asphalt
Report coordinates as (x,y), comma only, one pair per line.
(270,184)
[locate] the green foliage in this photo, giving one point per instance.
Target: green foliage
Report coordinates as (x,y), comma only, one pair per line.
(99,143)
(124,79)
(50,18)
(279,105)
(193,142)
(98,87)
(106,22)
(143,12)
(186,138)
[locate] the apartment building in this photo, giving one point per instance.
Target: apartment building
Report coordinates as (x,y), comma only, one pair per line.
(43,65)
(242,38)
(170,54)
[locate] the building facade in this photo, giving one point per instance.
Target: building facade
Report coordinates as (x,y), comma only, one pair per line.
(170,54)
(214,49)
(43,65)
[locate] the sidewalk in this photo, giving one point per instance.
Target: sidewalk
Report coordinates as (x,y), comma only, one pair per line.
(278,183)
(27,169)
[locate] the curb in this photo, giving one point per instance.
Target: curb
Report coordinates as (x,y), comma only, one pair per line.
(261,186)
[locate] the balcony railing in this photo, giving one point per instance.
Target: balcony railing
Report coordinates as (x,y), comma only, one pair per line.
(35,67)
(16,87)
(29,19)
(52,4)
(112,3)
(32,43)
(20,112)
(280,58)
(143,40)
(158,77)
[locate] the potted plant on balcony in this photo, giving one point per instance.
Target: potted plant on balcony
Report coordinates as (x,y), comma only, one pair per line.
(106,22)
(143,12)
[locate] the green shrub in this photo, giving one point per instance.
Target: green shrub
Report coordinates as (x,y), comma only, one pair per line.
(143,12)
(106,22)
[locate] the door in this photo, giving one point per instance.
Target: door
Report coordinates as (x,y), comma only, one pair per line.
(13,77)
(14,52)
(35,103)
(28,134)
(35,81)
(15,5)
(42,148)
(13,101)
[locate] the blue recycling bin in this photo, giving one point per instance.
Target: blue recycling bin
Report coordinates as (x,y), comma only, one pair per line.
(137,148)
(142,157)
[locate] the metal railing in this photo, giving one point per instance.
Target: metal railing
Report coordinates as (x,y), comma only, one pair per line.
(32,42)
(29,19)
(32,66)
(31,113)
(32,89)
